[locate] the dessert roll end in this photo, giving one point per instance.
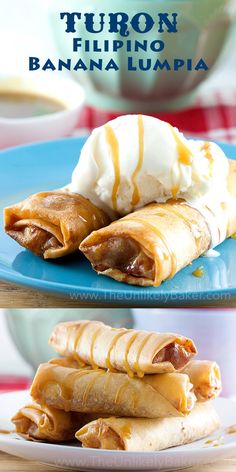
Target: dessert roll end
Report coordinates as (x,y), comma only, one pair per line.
(98,435)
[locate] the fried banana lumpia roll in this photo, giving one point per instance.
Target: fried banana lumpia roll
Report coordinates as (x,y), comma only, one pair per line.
(204,375)
(37,422)
(53,224)
(102,392)
(146,247)
(139,434)
(125,350)
(206,379)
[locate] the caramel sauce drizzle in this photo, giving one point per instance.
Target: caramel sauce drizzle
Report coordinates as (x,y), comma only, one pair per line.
(126,363)
(76,343)
(163,239)
(125,431)
(208,155)
(49,376)
(136,195)
(114,147)
(186,221)
(199,272)
(185,155)
(112,345)
(175,191)
(140,373)
(67,387)
(158,261)
(93,340)
(120,390)
(135,399)
(91,384)
(107,381)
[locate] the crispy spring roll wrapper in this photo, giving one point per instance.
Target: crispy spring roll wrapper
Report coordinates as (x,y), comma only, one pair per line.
(204,375)
(125,350)
(146,247)
(108,393)
(53,224)
(206,379)
(43,423)
(139,434)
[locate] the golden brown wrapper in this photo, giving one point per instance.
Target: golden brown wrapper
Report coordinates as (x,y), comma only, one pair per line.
(204,375)
(206,379)
(107,393)
(148,435)
(125,350)
(146,247)
(53,224)
(43,423)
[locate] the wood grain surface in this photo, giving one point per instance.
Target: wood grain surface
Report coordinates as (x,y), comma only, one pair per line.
(15,296)
(13,464)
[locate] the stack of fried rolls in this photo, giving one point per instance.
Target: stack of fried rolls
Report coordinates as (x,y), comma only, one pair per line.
(121,389)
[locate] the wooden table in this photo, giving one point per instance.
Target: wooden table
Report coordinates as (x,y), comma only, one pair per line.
(13,464)
(15,296)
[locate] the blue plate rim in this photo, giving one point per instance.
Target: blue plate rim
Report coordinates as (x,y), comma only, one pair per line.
(62,288)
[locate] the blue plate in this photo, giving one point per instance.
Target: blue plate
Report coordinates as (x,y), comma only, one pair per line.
(29,169)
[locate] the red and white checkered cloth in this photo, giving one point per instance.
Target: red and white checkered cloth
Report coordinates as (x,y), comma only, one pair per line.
(12,383)
(211,117)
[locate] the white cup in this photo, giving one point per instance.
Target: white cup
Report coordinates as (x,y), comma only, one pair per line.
(15,131)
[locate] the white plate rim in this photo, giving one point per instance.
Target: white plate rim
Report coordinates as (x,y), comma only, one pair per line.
(208,454)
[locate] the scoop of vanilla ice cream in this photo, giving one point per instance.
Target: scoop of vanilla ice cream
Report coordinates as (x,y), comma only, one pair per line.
(136,159)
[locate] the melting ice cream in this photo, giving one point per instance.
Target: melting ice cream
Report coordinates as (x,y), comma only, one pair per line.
(135,160)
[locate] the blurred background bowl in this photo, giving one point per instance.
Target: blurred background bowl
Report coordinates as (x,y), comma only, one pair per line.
(205,27)
(30,328)
(15,131)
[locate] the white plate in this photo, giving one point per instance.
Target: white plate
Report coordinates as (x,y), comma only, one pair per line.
(74,457)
